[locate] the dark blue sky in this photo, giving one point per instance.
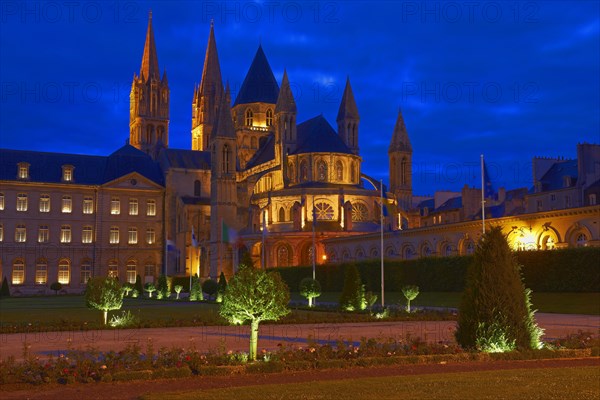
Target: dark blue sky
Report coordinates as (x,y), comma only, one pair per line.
(511,80)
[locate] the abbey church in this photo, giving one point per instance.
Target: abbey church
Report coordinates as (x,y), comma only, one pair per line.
(256,180)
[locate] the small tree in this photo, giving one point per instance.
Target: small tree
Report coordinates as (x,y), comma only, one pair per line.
(495,313)
(138,285)
(178,289)
(56,286)
(196,290)
(127,287)
(162,288)
(310,288)
(150,288)
(210,287)
(353,293)
(370,299)
(255,295)
(222,287)
(5,291)
(103,293)
(410,292)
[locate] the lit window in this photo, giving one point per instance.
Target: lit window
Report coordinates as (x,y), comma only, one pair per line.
(88,205)
(249,117)
(339,171)
(86,234)
(20,234)
(41,272)
(44,203)
(1,201)
(67,173)
(21,202)
(150,236)
(23,170)
(64,272)
(65,234)
(132,236)
(323,212)
(581,240)
(43,234)
(115,206)
(131,272)
(113,269)
(151,208)
(1,233)
(303,170)
(133,207)
(18,272)
(114,235)
(67,204)
(322,171)
(269,117)
(360,212)
(86,271)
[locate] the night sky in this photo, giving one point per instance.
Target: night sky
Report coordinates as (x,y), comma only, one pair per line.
(511,80)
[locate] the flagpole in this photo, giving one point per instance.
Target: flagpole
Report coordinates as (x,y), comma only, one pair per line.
(381,221)
(264,228)
(482,197)
(314,252)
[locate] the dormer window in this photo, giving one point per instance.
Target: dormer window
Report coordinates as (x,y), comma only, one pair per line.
(23,170)
(249,117)
(67,173)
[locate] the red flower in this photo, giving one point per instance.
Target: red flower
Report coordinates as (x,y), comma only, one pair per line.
(188,358)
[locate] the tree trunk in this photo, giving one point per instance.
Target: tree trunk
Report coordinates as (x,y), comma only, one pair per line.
(253,339)
(407,305)
(105,316)
(310,301)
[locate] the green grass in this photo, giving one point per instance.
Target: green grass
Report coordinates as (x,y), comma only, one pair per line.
(563,303)
(548,383)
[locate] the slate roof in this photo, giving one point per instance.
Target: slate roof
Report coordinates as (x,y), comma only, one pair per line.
(265,153)
(553,179)
(317,136)
(450,204)
(188,159)
(89,170)
(260,85)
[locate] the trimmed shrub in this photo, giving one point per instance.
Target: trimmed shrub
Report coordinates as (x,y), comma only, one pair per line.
(310,288)
(196,291)
(5,291)
(138,285)
(222,287)
(56,286)
(353,294)
(495,313)
(210,287)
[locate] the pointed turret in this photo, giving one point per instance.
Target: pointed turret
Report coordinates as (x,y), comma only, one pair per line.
(400,140)
(400,155)
(149,67)
(285,100)
(348,119)
(149,102)
(207,96)
(224,125)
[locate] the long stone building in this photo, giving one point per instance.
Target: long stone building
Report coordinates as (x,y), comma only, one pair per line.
(256,180)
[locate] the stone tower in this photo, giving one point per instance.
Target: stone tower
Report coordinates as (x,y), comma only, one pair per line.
(149,102)
(285,125)
(223,199)
(348,119)
(400,155)
(207,97)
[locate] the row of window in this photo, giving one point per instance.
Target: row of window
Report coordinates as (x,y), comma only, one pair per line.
(64,277)
(250,117)
(23,172)
(86,234)
(66,205)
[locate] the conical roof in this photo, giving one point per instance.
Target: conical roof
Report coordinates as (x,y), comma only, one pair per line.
(149,67)
(348,107)
(285,101)
(400,140)
(260,85)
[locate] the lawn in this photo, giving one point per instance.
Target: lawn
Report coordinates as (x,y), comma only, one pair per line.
(546,383)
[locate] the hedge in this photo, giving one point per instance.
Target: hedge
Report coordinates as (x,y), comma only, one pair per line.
(564,270)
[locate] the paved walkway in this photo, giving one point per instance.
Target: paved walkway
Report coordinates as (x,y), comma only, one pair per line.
(236,337)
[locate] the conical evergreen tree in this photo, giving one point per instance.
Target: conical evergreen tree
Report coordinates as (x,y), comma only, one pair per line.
(353,293)
(5,291)
(495,313)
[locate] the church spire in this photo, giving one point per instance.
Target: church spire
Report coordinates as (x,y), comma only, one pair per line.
(285,100)
(149,67)
(224,125)
(212,83)
(400,140)
(348,119)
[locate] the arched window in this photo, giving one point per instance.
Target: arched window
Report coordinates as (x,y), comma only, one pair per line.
(41,272)
(149,134)
(131,271)
(339,171)
(403,172)
(64,272)
(303,170)
(425,250)
(360,213)
(352,173)
(113,269)
(269,117)
(159,138)
(249,117)
(322,171)
(18,272)
(197,188)
(283,256)
(408,253)
(360,254)
(225,160)
(581,240)
(291,174)
(281,214)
